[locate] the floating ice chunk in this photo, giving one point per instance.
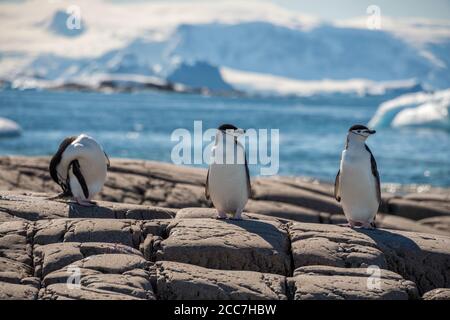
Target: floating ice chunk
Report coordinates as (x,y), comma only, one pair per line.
(427,109)
(9,128)
(431,114)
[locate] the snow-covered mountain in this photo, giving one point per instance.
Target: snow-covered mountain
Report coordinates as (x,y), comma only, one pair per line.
(248,46)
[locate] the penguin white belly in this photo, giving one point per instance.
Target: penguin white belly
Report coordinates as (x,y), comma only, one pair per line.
(93,169)
(228,187)
(358,191)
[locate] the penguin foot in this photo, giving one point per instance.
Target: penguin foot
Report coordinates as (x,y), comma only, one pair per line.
(367,225)
(85,203)
(351,224)
(221,216)
(237,216)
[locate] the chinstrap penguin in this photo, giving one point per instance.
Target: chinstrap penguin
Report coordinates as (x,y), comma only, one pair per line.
(228,179)
(357,184)
(79,167)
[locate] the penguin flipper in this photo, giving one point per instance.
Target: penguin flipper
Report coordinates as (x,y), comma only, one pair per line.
(108,163)
(207,186)
(77,172)
(375,174)
(249,184)
(337,193)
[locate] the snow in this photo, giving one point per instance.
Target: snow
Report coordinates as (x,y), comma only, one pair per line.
(274,85)
(260,42)
(419,109)
(8,128)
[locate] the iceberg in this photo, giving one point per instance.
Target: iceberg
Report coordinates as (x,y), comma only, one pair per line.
(419,110)
(9,128)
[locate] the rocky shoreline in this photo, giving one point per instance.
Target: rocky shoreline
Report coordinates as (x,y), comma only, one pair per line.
(153,236)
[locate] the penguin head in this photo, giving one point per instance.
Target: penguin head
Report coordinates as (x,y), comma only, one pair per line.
(231,130)
(360,131)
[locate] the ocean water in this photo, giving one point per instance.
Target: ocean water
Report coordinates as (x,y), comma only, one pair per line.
(139,125)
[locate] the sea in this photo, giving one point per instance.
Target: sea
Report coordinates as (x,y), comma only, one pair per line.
(312,131)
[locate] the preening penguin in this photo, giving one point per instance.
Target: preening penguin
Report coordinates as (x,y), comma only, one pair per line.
(79,167)
(357,184)
(228,179)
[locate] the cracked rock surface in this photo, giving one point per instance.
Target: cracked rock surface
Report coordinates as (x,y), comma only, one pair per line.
(152,235)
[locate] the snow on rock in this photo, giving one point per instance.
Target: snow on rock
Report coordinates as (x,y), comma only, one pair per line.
(417,109)
(9,128)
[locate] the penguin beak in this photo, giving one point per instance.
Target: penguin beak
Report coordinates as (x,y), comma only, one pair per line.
(372,131)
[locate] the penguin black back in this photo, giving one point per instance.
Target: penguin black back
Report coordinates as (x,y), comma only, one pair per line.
(56,159)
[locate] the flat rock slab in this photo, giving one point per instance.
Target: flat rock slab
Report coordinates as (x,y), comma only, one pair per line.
(331,283)
(12,291)
(421,258)
(92,271)
(329,245)
(272,190)
(283,210)
(437,294)
(211,213)
(229,245)
(176,281)
(126,232)
(36,207)
(438,223)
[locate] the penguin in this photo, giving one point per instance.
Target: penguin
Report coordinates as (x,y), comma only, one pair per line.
(228,180)
(357,184)
(79,166)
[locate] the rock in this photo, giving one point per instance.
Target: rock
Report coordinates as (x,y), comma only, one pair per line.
(38,207)
(388,221)
(229,245)
(439,223)
(437,294)
(104,271)
(178,281)
(61,291)
(211,213)
(273,191)
(317,244)
(126,232)
(416,210)
(332,283)
(421,258)
(11,291)
(185,195)
(283,211)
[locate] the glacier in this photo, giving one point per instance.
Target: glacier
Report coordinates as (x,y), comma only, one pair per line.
(257,48)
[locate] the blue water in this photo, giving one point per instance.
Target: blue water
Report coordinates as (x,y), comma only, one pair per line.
(139,125)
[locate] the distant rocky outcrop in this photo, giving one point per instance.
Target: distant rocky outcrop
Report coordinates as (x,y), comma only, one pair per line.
(152,236)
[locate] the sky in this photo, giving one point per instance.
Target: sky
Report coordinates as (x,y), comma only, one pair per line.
(345,9)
